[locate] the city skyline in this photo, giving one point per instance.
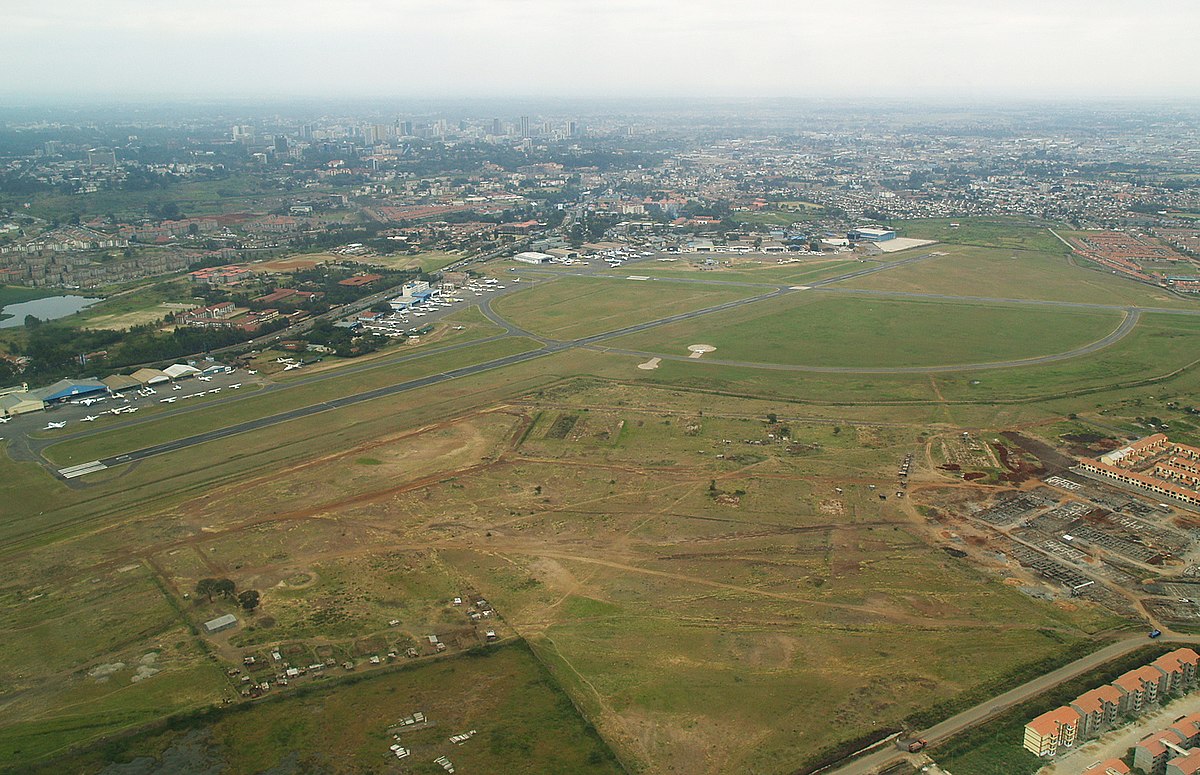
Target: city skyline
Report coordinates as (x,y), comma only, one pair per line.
(517,48)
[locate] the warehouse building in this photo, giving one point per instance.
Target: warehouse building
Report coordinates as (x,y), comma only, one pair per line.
(66,389)
(20,403)
(871,234)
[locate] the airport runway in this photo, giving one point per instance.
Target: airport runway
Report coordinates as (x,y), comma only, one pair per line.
(33,448)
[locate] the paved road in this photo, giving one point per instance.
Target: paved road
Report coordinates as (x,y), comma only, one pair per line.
(872,763)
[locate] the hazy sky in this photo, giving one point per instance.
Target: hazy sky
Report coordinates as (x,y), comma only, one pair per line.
(982,49)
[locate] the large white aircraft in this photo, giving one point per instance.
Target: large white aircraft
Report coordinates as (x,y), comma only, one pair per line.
(51,425)
(90,418)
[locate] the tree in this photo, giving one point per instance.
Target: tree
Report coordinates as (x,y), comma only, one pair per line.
(249,599)
(225,588)
(207,588)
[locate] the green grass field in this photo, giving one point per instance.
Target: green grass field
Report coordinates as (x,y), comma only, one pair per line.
(574,307)
(778,217)
(991,231)
(818,330)
(523,723)
(1016,274)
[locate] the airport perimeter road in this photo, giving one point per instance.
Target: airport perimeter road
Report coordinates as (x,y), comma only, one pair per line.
(873,762)
(1002,300)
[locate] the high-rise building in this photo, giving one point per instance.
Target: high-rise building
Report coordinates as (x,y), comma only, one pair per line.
(497,127)
(281,145)
(525,127)
(404,128)
(572,129)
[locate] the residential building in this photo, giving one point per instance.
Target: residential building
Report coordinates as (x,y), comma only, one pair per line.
(1051,731)
(1185,765)
(1097,708)
(1153,751)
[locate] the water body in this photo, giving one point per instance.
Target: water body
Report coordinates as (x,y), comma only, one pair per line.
(49,308)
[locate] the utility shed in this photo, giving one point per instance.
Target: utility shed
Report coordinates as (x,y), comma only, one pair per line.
(220,623)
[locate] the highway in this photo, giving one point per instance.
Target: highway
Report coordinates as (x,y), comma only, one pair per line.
(873,762)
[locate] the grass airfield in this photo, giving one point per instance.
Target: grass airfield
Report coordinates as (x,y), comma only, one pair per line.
(668,564)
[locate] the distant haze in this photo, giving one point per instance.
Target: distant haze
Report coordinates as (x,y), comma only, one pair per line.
(898,49)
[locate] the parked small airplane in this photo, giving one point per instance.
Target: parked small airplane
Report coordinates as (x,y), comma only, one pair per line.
(170,400)
(90,418)
(291,366)
(204,379)
(51,425)
(235,386)
(4,420)
(251,371)
(177,387)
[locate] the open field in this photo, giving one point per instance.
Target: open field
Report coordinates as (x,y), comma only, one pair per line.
(574,307)
(779,218)
(1016,274)
(523,724)
(993,231)
(818,330)
(670,592)
(193,198)
(697,556)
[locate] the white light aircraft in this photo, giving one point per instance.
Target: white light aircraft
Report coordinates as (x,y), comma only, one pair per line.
(51,425)
(291,366)
(170,400)
(90,418)
(235,386)
(4,420)
(204,379)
